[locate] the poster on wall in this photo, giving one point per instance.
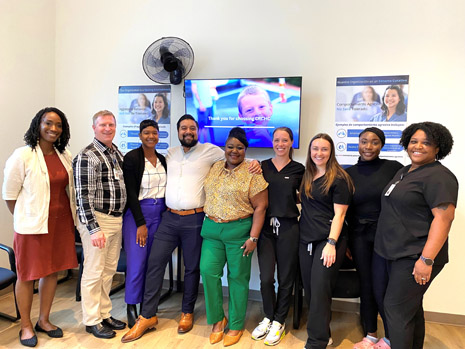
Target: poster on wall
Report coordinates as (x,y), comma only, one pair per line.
(137,103)
(370,101)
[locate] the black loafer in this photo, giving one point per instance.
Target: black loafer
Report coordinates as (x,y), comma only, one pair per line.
(113,323)
(56,333)
(30,342)
(101,331)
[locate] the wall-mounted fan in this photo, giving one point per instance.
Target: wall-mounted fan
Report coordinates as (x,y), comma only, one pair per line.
(168,60)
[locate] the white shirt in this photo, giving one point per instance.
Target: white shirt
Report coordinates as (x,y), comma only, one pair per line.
(186,174)
(153,182)
(26,180)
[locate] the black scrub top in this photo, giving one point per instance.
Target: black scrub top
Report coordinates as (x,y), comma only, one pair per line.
(283,188)
(318,211)
(406,217)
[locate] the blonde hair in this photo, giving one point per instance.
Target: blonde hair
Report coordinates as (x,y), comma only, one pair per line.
(102,113)
(252,90)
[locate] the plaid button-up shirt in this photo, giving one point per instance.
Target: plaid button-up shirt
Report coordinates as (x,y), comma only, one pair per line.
(99,183)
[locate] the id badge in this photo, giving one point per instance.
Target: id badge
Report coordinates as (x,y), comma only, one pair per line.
(391,188)
(116,174)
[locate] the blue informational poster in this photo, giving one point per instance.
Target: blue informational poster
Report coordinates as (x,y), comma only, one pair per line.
(370,101)
(137,103)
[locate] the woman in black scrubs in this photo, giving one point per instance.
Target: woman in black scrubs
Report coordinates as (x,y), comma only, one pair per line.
(278,244)
(417,210)
(326,192)
(370,175)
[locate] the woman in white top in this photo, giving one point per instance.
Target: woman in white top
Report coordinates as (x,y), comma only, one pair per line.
(39,192)
(145,178)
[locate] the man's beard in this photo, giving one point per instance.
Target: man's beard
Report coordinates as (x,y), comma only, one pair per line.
(188,144)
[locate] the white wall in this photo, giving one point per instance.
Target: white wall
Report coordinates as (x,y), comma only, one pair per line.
(27,79)
(99,46)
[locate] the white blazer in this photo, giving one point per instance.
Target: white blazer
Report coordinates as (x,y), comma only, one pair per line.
(26,180)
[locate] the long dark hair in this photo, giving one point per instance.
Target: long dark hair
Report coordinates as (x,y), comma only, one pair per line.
(333,170)
(291,137)
(166,110)
(400,109)
(32,135)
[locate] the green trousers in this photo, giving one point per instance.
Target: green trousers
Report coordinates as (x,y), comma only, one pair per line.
(222,244)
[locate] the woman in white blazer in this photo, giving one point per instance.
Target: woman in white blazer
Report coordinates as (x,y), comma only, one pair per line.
(39,192)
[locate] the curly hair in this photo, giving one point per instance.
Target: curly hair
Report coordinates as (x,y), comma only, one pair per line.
(400,109)
(436,133)
(32,135)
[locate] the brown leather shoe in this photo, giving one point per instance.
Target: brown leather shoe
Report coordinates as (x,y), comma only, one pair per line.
(231,340)
(186,323)
(216,337)
(140,327)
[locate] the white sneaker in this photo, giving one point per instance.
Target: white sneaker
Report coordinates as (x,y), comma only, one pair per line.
(275,334)
(262,329)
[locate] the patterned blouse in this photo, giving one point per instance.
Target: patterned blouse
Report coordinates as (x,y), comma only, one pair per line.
(153,182)
(228,192)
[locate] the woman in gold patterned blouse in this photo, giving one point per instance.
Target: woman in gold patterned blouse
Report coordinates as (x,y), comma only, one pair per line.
(235,206)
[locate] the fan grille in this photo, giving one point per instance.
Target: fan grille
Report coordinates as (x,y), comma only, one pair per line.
(151,61)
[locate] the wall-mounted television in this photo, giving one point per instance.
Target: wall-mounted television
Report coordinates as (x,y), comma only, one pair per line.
(258,105)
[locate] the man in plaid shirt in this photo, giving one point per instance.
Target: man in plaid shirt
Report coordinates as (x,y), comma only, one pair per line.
(101,197)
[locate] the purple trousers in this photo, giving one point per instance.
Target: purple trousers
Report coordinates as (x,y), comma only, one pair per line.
(137,256)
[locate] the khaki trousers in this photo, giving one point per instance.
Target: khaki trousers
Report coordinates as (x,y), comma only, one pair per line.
(99,269)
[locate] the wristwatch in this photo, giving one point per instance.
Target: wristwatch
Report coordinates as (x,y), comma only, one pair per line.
(331,241)
(253,239)
(428,261)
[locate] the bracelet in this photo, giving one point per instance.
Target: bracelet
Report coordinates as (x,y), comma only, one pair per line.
(331,241)
(254,240)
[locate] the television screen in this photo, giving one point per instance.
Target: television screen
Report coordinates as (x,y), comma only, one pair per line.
(257,105)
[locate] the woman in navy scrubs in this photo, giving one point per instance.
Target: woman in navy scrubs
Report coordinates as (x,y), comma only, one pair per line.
(370,175)
(417,210)
(326,192)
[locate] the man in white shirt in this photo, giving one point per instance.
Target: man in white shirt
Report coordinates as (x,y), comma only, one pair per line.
(188,165)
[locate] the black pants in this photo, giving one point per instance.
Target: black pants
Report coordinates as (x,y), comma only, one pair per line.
(174,231)
(403,304)
(280,250)
(319,282)
(380,277)
(361,243)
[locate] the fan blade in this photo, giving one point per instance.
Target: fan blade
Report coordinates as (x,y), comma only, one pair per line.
(183,52)
(161,75)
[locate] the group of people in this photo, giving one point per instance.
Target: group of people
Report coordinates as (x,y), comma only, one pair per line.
(219,207)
